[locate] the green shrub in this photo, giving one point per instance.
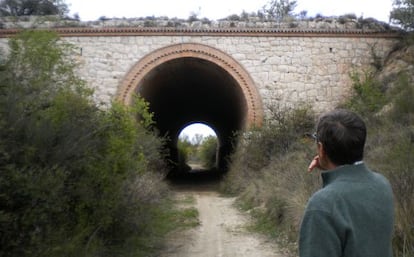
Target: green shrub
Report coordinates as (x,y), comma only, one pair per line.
(390,146)
(369,96)
(75,180)
(401,98)
(185,148)
(186,153)
(402,14)
(274,138)
(259,146)
(390,150)
(208,152)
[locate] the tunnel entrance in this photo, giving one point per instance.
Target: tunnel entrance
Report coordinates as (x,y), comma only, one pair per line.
(187,90)
(190,83)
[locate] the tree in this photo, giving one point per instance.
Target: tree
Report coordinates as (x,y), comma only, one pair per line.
(403,13)
(279,9)
(32,7)
(208,152)
(197,139)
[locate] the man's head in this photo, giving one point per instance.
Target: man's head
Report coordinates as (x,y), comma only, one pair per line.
(342,134)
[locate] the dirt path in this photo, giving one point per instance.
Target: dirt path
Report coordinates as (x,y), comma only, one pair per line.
(221,233)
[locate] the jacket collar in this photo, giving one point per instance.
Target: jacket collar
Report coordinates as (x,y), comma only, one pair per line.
(345,172)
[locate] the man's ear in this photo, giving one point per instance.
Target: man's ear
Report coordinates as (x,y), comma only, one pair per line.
(324,160)
(321,150)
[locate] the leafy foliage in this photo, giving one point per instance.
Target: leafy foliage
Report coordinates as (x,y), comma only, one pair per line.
(368,96)
(403,13)
(32,7)
(75,180)
(279,9)
(208,152)
(186,151)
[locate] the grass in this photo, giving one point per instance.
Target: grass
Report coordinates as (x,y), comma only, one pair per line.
(173,216)
(186,218)
(182,214)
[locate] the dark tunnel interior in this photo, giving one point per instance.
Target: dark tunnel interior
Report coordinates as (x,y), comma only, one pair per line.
(187,90)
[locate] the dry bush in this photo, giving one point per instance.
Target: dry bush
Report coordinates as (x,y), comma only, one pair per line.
(393,156)
(289,183)
(257,147)
(268,171)
(390,149)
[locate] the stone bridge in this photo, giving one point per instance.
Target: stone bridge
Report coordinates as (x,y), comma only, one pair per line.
(225,78)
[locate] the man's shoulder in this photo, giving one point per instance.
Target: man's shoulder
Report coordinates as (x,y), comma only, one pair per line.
(322,200)
(382,186)
(379,181)
(380,178)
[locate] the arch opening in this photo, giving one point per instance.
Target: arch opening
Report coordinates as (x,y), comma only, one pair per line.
(188,83)
(187,90)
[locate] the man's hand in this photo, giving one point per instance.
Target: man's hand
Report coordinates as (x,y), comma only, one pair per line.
(314,164)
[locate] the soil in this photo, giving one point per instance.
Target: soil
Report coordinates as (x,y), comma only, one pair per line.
(222,231)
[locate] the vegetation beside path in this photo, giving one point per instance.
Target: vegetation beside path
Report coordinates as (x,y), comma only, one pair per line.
(76,178)
(268,170)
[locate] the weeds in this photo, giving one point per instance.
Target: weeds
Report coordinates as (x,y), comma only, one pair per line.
(268,170)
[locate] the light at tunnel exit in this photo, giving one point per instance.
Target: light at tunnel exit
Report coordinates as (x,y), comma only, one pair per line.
(197,128)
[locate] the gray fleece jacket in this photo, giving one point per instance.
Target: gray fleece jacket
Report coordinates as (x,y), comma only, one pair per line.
(351,216)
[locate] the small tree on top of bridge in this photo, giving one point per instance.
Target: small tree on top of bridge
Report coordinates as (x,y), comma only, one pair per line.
(279,9)
(403,13)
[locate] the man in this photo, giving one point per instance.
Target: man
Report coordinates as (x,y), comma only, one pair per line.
(353,214)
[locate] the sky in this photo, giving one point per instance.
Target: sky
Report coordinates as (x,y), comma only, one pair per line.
(89,10)
(197,128)
(217,9)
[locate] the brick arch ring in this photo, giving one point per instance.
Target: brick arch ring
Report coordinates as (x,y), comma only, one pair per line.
(231,66)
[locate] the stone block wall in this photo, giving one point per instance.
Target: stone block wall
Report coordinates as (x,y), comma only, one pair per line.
(285,70)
